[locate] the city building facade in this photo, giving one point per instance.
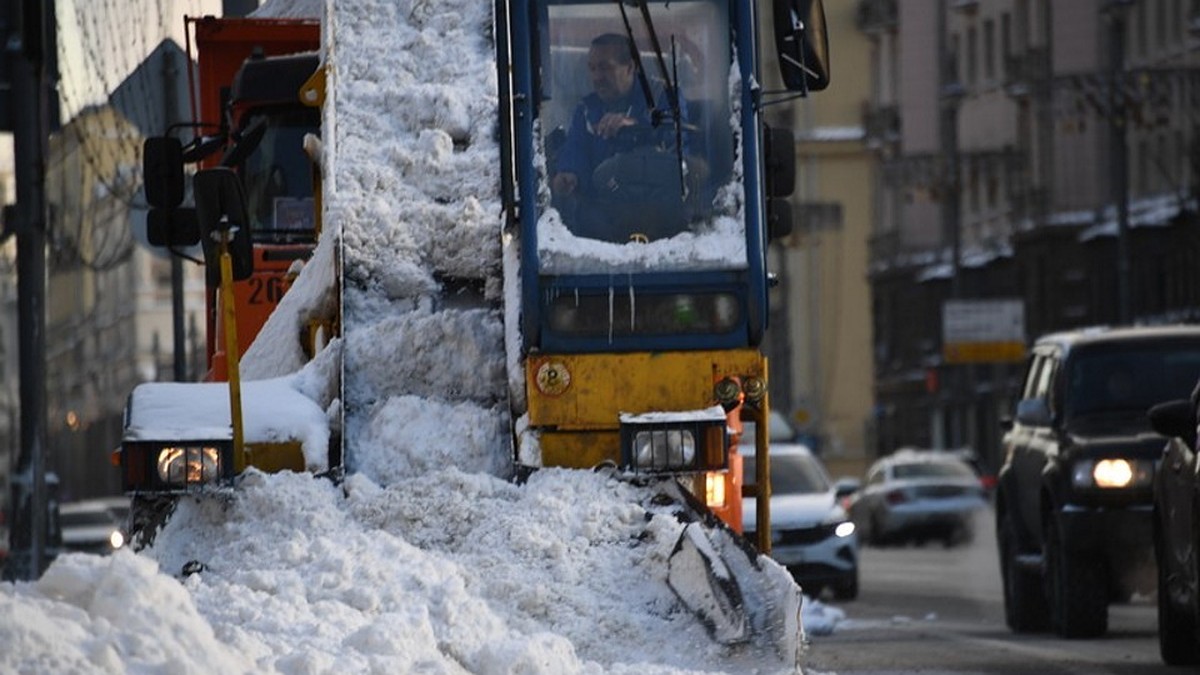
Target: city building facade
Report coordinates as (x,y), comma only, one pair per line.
(1034,155)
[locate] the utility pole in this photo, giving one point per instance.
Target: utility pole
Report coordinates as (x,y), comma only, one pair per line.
(1118,166)
(950,95)
(179,341)
(26,53)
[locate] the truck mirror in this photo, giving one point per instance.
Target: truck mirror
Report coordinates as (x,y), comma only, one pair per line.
(780,149)
(162,171)
(221,208)
(172,228)
(802,44)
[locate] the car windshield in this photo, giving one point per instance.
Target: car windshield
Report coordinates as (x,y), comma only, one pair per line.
(793,474)
(1130,377)
(931,469)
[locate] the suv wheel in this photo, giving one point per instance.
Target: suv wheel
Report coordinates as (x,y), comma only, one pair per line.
(1077,588)
(1177,619)
(847,589)
(1024,598)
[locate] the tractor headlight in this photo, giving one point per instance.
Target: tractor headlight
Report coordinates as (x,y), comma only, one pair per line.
(675,443)
(189,465)
(1112,473)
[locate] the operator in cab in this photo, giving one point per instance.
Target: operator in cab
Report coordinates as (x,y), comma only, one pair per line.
(619,175)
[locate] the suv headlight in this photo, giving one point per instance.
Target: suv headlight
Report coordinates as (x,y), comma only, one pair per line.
(1112,473)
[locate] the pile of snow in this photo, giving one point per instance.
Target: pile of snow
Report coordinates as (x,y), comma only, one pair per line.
(426,558)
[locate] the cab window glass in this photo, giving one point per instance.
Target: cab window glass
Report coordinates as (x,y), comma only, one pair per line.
(278,178)
(637,142)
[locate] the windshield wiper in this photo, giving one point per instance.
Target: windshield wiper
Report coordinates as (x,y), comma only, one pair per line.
(671,83)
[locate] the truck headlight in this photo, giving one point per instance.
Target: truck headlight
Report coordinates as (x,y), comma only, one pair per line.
(189,465)
(1112,473)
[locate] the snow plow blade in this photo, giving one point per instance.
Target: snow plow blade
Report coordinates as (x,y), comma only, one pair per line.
(741,596)
(703,582)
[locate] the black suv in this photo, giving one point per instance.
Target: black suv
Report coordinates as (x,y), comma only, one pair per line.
(1075,493)
(1176,533)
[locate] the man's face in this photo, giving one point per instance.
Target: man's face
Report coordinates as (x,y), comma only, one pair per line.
(611,77)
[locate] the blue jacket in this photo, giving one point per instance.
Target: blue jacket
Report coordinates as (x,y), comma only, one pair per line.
(584,150)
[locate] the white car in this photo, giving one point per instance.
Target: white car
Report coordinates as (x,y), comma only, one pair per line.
(811,534)
(93,525)
(917,495)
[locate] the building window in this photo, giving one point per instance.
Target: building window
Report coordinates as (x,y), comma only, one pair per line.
(989,49)
(1160,23)
(972,49)
(1139,22)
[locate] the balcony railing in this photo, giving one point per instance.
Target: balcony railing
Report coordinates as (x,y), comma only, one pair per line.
(881,124)
(877,16)
(1024,70)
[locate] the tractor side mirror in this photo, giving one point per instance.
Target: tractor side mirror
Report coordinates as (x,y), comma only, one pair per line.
(802,44)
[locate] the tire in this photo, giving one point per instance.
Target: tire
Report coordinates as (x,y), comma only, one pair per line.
(1025,608)
(847,589)
(1076,586)
(876,537)
(1177,620)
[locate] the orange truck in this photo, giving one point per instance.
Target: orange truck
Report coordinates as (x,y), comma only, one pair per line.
(248,115)
(258,85)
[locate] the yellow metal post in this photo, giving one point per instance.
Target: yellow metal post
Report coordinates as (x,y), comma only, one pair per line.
(762,475)
(229,319)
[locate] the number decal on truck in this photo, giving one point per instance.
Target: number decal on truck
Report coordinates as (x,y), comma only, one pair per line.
(267,290)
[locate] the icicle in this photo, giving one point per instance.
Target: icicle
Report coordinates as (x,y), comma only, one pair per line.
(611,296)
(631,306)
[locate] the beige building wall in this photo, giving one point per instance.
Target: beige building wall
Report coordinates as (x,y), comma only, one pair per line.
(822,265)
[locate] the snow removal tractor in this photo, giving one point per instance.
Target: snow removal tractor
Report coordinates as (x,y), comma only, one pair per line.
(641,189)
(256,93)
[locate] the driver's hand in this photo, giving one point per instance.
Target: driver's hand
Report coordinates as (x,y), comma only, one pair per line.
(564,182)
(611,123)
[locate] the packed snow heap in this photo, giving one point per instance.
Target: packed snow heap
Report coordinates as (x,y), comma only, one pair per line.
(426,558)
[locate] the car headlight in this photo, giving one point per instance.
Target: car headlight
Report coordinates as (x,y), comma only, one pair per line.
(1112,473)
(838,523)
(189,465)
(116,539)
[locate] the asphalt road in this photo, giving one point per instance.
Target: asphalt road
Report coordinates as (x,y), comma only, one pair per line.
(935,610)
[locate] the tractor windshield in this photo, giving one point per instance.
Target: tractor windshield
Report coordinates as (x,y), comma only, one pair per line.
(637,134)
